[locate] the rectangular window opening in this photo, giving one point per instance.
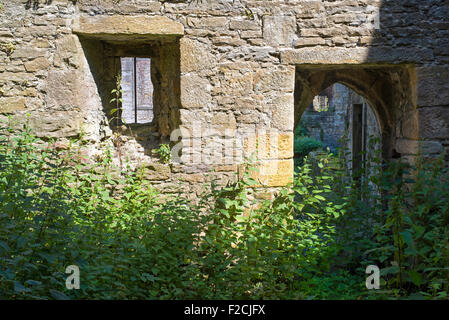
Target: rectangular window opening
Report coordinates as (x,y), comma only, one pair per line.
(137,90)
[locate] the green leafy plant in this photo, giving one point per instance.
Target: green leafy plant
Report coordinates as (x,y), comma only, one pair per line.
(412,238)
(164,152)
(58,210)
(249,14)
(117,100)
(304,145)
(313,240)
(301,130)
(8,48)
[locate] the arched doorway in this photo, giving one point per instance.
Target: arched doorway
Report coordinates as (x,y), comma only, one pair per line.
(341,121)
(387,89)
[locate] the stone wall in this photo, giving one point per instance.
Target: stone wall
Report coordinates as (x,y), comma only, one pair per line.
(329,125)
(232,66)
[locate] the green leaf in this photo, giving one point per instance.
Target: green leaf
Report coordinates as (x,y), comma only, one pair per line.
(241,218)
(19,288)
(5,246)
(415,277)
(33,283)
(58,295)
(416,296)
(407,237)
(389,270)
(51,258)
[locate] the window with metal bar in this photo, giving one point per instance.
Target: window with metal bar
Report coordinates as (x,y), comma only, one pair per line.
(137,90)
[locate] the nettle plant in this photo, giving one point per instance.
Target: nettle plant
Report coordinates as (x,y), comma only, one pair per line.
(164,152)
(313,240)
(58,211)
(117,99)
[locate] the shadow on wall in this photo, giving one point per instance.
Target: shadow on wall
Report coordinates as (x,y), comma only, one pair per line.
(387,73)
(413,35)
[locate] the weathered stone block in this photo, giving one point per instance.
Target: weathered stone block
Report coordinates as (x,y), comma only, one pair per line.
(62,88)
(434,123)
(16,77)
(195,56)
(42,31)
(272,173)
(102,26)
(157,171)
(243,25)
(37,64)
(285,145)
(40,43)
(68,49)
(345,18)
(433,85)
(250,118)
(192,178)
(233,82)
(188,117)
(279,30)
(27,53)
(308,42)
(228,41)
(67,44)
(315,55)
(56,124)
(338,55)
(269,145)
(227,120)
(195,92)
(12,104)
(251,34)
(410,125)
(277,79)
(282,114)
(213,23)
(226,168)
(309,9)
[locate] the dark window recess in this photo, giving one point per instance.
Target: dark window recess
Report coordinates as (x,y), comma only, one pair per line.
(137,95)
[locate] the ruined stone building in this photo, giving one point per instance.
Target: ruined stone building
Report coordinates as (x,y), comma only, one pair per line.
(330,118)
(221,79)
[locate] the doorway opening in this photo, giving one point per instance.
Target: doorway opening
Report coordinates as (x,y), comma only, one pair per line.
(342,123)
(385,91)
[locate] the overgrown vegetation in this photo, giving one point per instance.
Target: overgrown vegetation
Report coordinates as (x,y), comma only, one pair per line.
(8,48)
(164,152)
(303,144)
(308,242)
